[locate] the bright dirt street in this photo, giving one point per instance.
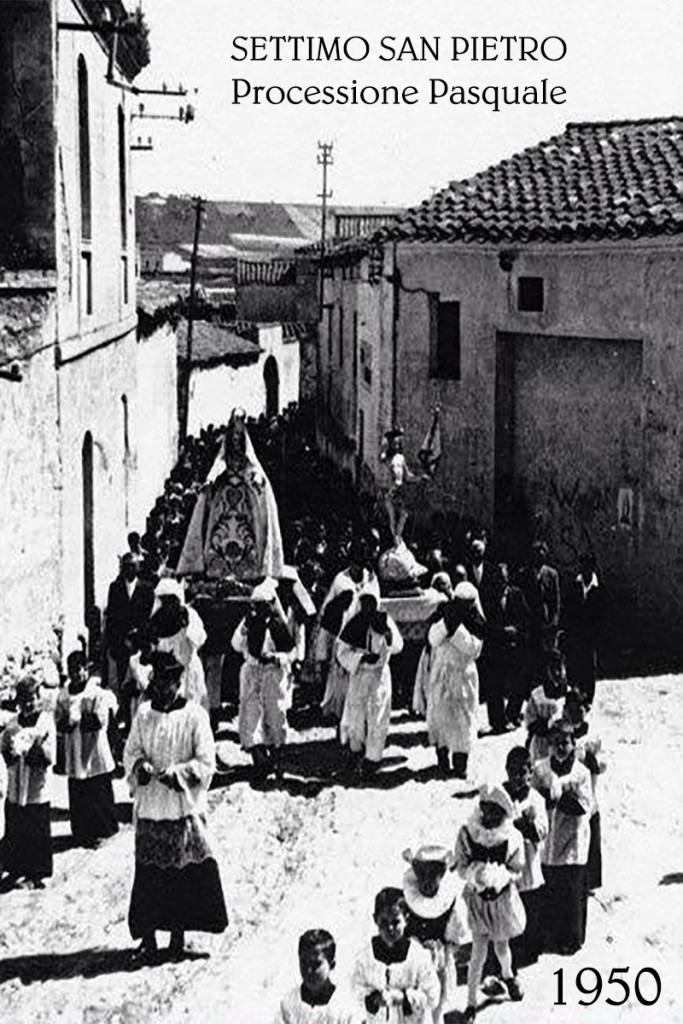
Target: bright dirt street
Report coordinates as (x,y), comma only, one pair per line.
(314,854)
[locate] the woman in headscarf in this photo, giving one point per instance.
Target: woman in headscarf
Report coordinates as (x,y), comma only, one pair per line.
(269,651)
(169,760)
(234,529)
(454,682)
(177,629)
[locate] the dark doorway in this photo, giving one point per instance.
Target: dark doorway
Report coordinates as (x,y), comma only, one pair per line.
(569,449)
(271,378)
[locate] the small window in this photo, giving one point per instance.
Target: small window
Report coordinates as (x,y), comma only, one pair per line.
(366,364)
(124,279)
(445,338)
(341,335)
(86,282)
(84,151)
(530,294)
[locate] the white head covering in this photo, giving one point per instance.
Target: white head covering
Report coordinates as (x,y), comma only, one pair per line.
(466,591)
(220,464)
(265,591)
(168,587)
(494,794)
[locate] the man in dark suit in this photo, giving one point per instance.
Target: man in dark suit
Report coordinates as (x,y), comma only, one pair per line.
(129,606)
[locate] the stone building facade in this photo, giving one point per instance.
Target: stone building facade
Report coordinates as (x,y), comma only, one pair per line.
(539,305)
(81,396)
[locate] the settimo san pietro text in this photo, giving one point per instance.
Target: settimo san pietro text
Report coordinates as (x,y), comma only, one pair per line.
(533,52)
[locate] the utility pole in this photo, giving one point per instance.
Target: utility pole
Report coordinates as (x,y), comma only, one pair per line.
(325,160)
(185,396)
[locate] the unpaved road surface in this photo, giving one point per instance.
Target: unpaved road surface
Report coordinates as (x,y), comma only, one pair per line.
(314,852)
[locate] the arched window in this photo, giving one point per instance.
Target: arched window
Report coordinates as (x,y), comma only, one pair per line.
(84,151)
(123,194)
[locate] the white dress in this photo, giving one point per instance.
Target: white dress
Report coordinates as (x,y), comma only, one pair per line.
(339,1010)
(367,710)
(415,974)
(453,688)
(491,859)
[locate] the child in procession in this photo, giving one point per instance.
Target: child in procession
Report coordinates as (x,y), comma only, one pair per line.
(394,979)
(82,715)
(29,746)
(545,704)
(531,821)
(317,1000)
(438,916)
(565,785)
(490,859)
(590,753)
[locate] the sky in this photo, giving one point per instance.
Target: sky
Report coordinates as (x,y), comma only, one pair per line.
(622,61)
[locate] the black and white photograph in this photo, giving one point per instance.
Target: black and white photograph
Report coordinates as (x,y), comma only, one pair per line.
(341,512)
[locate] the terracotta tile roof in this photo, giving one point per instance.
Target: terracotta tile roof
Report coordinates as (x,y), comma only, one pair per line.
(609,180)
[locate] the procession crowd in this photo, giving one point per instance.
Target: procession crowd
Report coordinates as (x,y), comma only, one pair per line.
(319,623)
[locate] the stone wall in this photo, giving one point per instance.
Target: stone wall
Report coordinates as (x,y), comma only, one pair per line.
(30,479)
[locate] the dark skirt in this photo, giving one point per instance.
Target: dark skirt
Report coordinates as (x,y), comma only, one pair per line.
(27,849)
(526,948)
(594,865)
(564,908)
(92,808)
(177,899)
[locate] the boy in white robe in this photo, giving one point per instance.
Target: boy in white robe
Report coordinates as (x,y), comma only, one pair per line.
(317,1000)
(394,979)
